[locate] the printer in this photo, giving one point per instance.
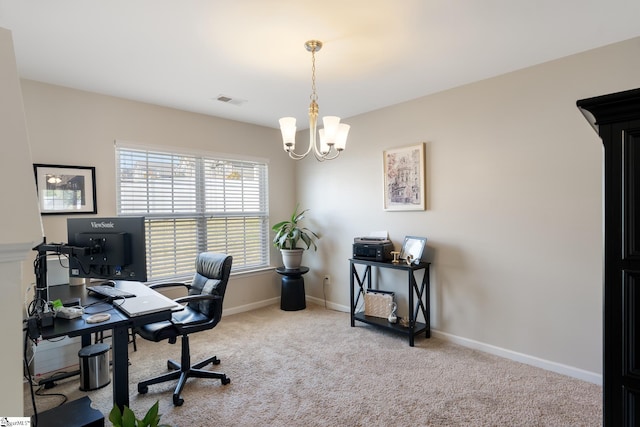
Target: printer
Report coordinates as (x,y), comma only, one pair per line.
(372,248)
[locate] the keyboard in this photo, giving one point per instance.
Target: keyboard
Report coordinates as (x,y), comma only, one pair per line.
(109,291)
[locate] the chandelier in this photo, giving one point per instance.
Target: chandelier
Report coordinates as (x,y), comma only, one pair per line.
(333,137)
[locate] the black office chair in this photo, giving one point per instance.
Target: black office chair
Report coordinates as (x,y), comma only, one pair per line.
(203,311)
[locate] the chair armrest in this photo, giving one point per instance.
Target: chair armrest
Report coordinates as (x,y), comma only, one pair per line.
(194,298)
(169,285)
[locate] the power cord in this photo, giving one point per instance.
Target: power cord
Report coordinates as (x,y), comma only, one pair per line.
(26,367)
(41,394)
(324,290)
(88,309)
(325,282)
(42,384)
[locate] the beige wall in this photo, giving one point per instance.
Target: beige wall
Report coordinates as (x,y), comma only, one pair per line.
(20,227)
(514,218)
(20,218)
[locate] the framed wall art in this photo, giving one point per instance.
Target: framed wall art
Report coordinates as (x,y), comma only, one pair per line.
(65,189)
(404,178)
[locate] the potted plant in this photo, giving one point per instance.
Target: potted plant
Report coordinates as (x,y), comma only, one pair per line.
(288,234)
(127,418)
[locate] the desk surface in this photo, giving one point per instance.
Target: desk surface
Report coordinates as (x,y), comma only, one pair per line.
(79,326)
(118,322)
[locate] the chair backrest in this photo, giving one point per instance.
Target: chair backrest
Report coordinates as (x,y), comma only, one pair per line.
(211,277)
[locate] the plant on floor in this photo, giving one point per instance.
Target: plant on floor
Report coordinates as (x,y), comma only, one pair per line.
(127,418)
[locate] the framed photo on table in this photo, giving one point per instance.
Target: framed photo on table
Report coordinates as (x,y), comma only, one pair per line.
(413,247)
(65,189)
(404,178)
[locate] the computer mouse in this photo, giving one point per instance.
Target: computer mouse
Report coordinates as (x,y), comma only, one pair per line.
(109,283)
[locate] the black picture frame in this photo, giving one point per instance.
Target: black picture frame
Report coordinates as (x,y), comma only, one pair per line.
(65,190)
(413,246)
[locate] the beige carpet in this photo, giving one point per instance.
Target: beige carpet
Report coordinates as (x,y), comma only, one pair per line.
(310,368)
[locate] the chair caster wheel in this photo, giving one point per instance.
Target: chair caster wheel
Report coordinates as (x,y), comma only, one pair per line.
(177,401)
(225,380)
(215,361)
(143,389)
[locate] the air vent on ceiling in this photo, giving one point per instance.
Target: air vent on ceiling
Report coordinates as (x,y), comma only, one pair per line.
(229,100)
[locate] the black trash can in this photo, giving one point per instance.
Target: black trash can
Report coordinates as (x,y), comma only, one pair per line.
(94,366)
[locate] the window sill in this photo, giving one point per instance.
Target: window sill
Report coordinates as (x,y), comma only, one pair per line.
(255,272)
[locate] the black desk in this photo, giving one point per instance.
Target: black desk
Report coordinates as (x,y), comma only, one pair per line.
(119,324)
(292,296)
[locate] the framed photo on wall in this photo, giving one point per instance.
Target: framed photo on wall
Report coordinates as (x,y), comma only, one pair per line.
(404,178)
(65,189)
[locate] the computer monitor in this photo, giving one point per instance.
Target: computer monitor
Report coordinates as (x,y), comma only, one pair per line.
(117,248)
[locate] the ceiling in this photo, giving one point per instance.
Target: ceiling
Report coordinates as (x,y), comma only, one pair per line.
(186,53)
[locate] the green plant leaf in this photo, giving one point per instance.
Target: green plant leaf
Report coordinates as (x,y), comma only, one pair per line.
(279,225)
(115,416)
(128,418)
(289,233)
(151,418)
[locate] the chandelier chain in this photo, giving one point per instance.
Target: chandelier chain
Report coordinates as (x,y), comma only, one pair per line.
(314,95)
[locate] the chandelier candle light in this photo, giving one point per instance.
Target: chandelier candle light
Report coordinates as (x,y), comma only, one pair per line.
(333,137)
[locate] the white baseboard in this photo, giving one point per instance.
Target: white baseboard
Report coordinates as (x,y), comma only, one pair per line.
(249,307)
(330,305)
(559,368)
(276,300)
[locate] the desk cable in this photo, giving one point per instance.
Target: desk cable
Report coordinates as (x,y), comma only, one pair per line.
(41,386)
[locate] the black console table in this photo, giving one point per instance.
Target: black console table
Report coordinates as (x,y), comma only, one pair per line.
(421,304)
(292,297)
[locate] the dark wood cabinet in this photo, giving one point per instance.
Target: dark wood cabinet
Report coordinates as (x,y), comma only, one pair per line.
(616,117)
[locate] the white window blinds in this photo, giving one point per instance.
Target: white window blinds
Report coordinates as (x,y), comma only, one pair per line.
(192,204)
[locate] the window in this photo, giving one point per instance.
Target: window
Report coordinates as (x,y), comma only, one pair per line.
(192,204)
